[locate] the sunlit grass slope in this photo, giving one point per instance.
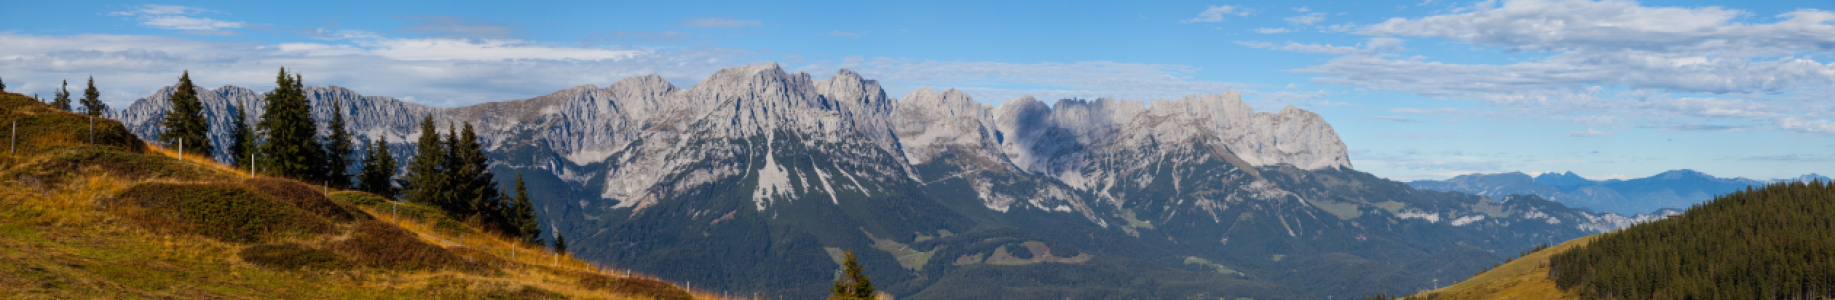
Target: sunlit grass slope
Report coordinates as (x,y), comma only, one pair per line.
(1522,278)
(122,219)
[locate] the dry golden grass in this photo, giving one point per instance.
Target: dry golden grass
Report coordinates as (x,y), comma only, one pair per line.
(1522,278)
(68,238)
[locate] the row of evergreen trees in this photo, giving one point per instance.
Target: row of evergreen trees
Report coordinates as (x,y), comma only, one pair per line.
(452,174)
(91,102)
(1777,242)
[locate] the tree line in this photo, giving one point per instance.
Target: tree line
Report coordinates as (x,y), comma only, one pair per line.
(447,171)
(1776,242)
(91,103)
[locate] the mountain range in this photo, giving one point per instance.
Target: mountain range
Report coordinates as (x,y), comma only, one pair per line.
(1658,194)
(722,186)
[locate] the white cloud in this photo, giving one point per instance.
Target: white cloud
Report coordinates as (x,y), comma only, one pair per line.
(1265,30)
(155,9)
(440,72)
(1822,126)
(1424,111)
(846,34)
(1307,19)
(996,82)
(1302,9)
(1549,25)
(1216,13)
(461,27)
(178,18)
(1305,48)
(1588,133)
(1639,64)
(188,23)
(721,23)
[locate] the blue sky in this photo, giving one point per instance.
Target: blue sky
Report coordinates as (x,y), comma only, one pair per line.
(1417,89)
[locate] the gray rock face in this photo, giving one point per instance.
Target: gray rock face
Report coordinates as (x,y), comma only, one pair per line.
(367,116)
(643,130)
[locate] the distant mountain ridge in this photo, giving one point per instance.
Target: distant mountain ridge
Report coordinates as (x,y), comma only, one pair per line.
(1675,189)
(944,197)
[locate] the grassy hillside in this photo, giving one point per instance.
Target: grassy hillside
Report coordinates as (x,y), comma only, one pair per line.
(1523,278)
(121,219)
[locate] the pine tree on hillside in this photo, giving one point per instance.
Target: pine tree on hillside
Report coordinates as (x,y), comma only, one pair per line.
(474,185)
(425,177)
(855,284)
(184,122)
(62,100)
(2,85)
(522,213)
(242,139)
(92,100)
(378,173)
(291,148)
(338,148)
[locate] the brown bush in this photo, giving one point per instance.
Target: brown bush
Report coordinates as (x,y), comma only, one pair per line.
(223,211)
(66,162)
(293,256)
(383,245)
(305,197)
(633,286)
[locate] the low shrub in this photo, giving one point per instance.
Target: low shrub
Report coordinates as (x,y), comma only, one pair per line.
(293,256)
(63,163)
(223,211)
(383,245)
(406,210)
(358,198)
(643,287)
(305,197)
(452,287)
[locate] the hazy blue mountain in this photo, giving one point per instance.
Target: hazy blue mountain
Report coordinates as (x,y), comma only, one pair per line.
(756,179)
(1568,179)
(1676,189)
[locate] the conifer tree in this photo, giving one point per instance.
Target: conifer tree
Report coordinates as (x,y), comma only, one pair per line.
(185,120)
(522,213)
(62,100)
(242,139)
(291,148)
(473,184)
(92,100)
(855,284)
(560,243)
(378,173)
(425,177)
(2,85)
(338,148)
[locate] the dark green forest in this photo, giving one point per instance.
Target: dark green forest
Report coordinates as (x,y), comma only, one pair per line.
(1777,242)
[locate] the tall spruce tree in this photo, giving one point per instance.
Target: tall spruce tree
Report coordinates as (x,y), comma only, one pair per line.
(185,122)
(62,97)
(92,100)
(456,198)
(426,177)
(473,184)
(378,173)
(522,212)
(2,85)
(291,148)
(242,138)
(338,148)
